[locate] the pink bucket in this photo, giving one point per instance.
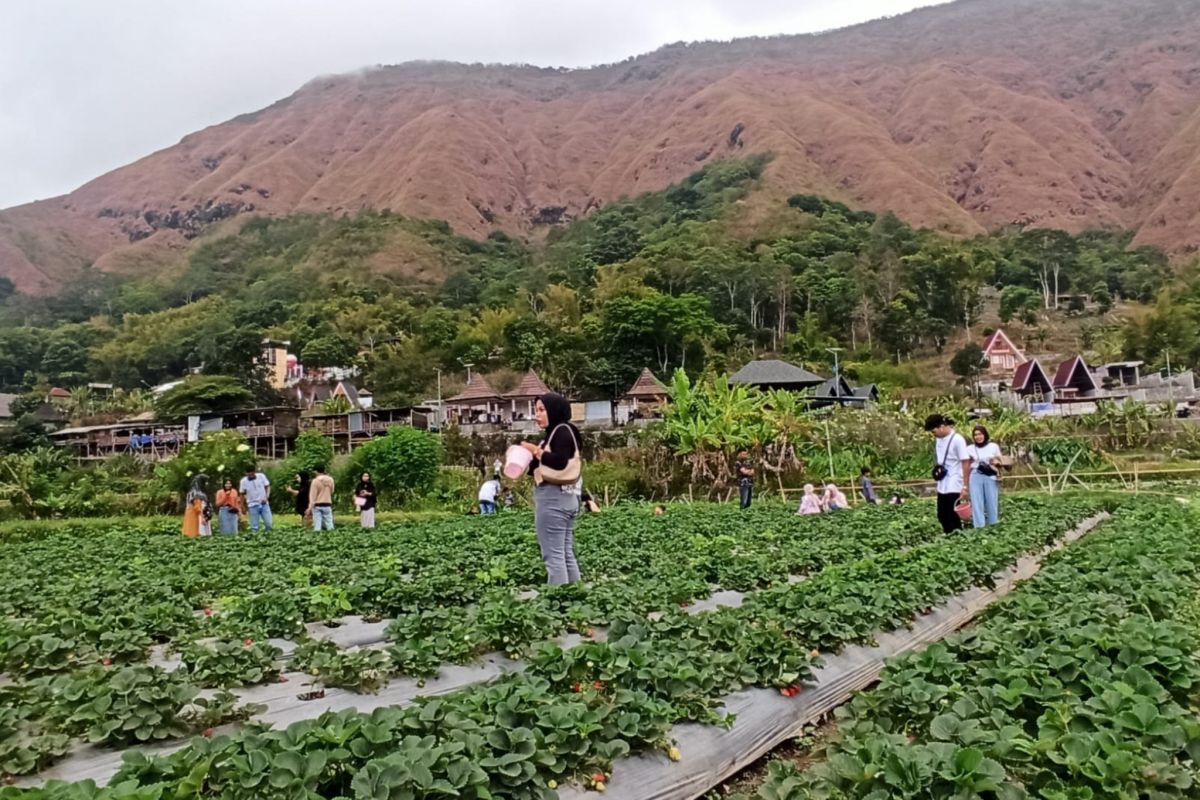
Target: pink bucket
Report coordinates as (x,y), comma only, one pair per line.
(516,461)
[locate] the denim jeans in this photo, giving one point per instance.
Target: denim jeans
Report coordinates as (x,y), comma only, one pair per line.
(322,518)
(487,507)
(228,518)
(745,493)
(554,512)
(261,512)
(985,500)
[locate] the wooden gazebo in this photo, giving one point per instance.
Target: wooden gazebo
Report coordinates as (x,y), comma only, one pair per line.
(477,403)
(523,398)
(645,398)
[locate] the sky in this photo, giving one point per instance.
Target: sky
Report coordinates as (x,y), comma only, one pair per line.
(86,86)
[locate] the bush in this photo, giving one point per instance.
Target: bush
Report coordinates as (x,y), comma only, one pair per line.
(313,449)
(619,479)
(402,464)
(220,455)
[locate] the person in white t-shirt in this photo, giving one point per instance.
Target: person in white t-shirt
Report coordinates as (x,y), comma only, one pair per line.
(951,470)
(487,496)
(985,478)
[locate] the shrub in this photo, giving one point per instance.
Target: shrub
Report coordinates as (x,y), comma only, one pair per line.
(402,464)
(220,455)
(313,449)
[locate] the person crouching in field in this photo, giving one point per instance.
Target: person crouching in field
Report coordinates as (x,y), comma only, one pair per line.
(810,502)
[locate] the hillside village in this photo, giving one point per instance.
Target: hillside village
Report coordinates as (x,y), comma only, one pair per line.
(328,401)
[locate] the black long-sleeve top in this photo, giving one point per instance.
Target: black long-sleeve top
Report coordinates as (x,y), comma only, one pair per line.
(559,448)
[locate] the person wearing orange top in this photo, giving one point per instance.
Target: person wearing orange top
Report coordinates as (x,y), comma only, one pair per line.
(229,507)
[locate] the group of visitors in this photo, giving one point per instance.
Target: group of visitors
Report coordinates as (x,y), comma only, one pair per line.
(831,499)
(312,496)
(967,478)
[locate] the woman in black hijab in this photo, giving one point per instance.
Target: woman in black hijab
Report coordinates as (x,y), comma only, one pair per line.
(299,490)
(556,471)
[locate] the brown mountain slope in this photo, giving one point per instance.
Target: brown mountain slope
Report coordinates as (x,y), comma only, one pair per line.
(1065,113)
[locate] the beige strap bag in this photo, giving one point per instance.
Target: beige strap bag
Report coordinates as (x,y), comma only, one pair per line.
(568,475)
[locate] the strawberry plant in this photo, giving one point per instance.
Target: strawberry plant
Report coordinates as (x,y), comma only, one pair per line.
(121,706)
(1076,686)
(223,664)
(361,670)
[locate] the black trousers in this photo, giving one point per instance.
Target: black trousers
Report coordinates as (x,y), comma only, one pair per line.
(746,492)
(946,513)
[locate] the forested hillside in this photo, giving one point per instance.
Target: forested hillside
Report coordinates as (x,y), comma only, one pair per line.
(694,277)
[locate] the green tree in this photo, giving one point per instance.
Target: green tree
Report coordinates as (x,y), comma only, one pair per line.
(1019,303)
(27,433)
(616,238)
(655,329)
(969,363)
(402,463)
(313,449)
(201,394)
(328,351)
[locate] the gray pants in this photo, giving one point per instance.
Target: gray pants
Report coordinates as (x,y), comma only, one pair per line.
(554,514)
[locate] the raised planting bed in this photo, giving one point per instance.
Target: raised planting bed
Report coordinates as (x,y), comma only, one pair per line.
(1081,684)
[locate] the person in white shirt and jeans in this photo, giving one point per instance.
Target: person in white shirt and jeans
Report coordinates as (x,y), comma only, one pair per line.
(255,489)
(487,496)
(985,478)
(952,469)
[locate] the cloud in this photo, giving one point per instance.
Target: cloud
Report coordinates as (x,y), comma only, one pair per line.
(88,87)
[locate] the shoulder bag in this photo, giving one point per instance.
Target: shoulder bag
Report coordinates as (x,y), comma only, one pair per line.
(568,475)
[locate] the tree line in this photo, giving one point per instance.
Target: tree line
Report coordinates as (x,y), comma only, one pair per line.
(686,278)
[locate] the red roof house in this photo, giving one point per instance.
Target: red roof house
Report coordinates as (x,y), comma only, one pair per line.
(1003,356)
(1031,379)
(1073,379)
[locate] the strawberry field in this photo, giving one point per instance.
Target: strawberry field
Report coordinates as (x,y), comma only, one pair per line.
(1083,684)
(136,664)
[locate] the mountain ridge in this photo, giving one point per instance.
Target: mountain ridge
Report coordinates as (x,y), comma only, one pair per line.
(962,117)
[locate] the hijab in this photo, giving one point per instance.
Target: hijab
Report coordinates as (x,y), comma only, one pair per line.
(558,412)
(197,489)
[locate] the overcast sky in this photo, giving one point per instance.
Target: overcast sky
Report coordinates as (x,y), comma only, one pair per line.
(87,86)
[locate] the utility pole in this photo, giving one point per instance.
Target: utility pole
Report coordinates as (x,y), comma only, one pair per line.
(1170,392)
(837,372)
(441,416)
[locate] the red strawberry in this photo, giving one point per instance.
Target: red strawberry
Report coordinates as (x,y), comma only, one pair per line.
(578,687)
(248,642)
(106,661)
(208,612)
(208,732)
(599,777)
(598,685)
(283,678)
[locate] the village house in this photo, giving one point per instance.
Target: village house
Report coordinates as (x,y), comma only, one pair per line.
(770,373)
(523,399)
(1003,357)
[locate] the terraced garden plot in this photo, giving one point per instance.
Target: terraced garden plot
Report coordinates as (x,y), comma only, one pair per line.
(650,673)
